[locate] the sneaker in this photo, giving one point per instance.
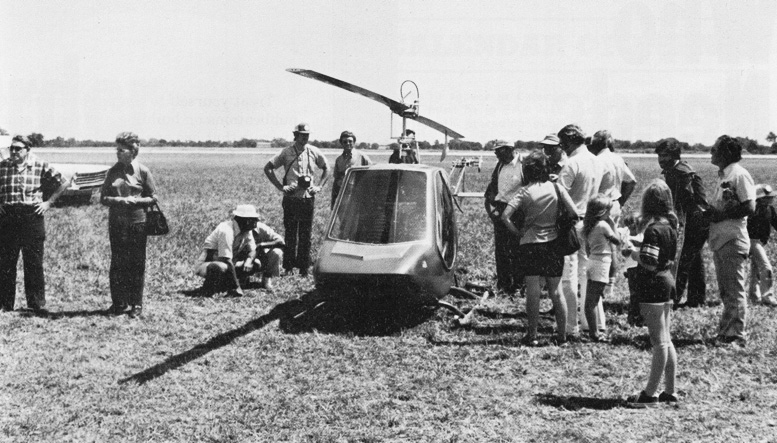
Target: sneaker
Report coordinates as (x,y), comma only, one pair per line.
(769,300)
(136,311)
(663,397)
(641,401)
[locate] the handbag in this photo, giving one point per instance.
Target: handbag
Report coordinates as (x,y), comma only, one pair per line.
(567,241)
(156,222)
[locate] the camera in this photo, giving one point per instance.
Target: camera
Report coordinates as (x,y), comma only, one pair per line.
(304,181)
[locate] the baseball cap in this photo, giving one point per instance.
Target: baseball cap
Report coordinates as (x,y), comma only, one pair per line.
(501,144)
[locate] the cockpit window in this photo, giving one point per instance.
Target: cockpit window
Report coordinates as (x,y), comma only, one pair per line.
(382,207)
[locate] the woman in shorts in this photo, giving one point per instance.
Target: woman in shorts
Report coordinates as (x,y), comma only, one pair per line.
(537,204)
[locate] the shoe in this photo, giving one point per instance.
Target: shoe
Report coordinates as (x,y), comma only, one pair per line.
(136,311)
(41,312)
(267,284)
(235,293)
(303,272)
(642,401)
(769,300)
(117,309)
(663,397)
(556,341)
(6,309)
(530,341)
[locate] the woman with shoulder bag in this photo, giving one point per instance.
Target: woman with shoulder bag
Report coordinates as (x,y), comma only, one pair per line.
(539,201)
(128,190)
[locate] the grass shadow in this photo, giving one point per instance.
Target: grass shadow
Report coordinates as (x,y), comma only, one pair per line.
(285,309)
(332,315)
(81,313)
(575,403)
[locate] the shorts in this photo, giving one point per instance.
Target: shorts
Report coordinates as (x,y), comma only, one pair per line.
(599,268)
(650,287)
(540,259)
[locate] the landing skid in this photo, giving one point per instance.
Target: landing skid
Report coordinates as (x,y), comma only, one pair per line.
(460,318)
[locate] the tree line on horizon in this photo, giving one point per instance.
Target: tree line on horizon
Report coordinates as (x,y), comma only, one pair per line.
(37,139)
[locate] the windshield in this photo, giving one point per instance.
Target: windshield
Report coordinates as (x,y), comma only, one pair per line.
(381,207)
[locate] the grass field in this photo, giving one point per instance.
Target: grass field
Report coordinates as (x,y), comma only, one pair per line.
(224,370)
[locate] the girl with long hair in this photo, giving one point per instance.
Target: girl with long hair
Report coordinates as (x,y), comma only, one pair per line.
(655,291)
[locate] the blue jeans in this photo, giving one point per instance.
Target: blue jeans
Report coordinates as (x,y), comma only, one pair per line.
(730,267)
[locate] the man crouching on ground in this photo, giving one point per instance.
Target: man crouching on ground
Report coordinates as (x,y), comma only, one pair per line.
(232,254)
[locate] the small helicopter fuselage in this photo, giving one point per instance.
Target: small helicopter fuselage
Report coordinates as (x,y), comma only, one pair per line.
(391,237)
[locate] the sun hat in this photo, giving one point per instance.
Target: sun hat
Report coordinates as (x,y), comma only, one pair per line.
(763,190)
(245,211)
(550,139)
(302,128)
(501,144)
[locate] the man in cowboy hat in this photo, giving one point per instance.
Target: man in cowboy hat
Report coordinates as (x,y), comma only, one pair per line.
(506,180)
(299,195)
(237,249)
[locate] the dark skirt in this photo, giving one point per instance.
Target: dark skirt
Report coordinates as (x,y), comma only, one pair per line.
(653,287)
(540,259)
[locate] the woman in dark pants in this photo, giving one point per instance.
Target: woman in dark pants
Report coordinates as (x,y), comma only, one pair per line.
(128,190)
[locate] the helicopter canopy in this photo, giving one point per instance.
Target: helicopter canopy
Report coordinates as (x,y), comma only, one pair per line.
(382,207)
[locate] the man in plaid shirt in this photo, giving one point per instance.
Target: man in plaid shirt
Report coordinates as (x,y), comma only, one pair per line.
(22,178)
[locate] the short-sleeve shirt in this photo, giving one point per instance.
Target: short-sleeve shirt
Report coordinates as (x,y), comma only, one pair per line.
(296,164)
(134,180)
(23,184)
(659,245)
(342,164)
(581,176)
(539,204)
(263,234)
(617,172)
(598,243)
(510,179)
(735,185)
(228,241)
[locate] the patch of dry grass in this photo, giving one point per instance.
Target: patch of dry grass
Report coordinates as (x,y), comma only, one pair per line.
(223,370)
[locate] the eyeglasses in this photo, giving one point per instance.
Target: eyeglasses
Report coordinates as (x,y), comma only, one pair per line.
(16,148)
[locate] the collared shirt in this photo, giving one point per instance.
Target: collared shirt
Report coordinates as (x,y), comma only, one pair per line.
(342,164)
(616,172)
(228,241)
(23,184)
(581,177)
(296,164)
(539,204)
(735,185)
(510,179)
(133,180)
(263,234)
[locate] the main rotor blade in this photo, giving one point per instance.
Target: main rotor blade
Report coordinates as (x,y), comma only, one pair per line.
(434,125)
(395,106)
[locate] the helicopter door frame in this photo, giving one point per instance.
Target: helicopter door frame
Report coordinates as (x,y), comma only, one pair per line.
(446,237)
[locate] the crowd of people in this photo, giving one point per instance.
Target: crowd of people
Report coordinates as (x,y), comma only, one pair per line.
(657,247)
(660,243)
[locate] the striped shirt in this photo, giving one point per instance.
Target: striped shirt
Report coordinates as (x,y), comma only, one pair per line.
(23,184)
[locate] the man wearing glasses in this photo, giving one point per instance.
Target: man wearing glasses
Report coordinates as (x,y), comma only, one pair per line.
(22,179)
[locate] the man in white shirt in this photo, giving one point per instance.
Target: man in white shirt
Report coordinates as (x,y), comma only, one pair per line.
(229,255)
(618,183)
(506,180)
(581,176)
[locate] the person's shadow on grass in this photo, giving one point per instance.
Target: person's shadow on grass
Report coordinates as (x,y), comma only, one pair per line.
(575,403)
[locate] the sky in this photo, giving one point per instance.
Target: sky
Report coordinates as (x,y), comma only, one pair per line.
(199,70)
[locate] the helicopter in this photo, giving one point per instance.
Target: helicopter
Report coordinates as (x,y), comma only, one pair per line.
(392,233)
